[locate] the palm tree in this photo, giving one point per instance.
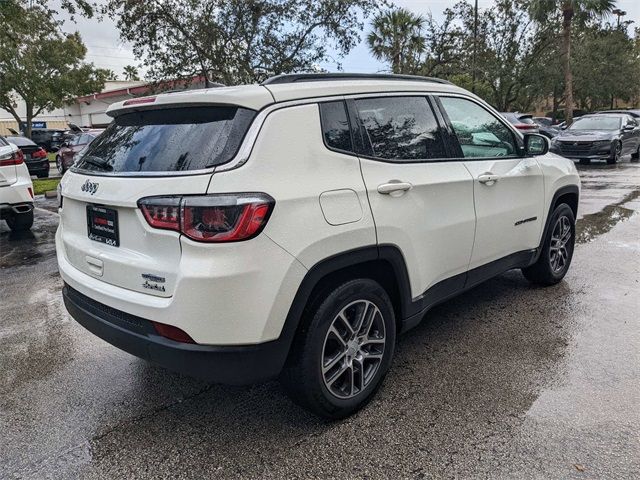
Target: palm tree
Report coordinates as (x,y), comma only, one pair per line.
(572,11)
(130,73)
(396,37)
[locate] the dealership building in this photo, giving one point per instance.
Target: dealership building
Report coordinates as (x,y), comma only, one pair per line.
(89,110)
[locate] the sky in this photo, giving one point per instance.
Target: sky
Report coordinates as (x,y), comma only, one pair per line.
(106,50)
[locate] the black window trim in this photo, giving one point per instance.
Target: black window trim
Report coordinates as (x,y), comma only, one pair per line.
(350,126)
(359,146)
(518,140)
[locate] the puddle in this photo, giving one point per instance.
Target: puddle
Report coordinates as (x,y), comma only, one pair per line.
(593,225)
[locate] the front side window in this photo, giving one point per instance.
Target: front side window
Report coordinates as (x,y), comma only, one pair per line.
(400,129)
(480,133)
(168,140)
(335,125)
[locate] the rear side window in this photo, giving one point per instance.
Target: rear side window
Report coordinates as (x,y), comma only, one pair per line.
(168,140)
(400,129)
(335,126)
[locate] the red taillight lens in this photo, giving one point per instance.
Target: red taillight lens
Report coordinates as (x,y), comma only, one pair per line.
(40,153)
(210,218)
(162,212)
(14,158)
(172,333)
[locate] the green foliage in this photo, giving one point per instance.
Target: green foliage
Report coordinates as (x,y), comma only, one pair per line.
(43,67)
(131,73)
(238,41)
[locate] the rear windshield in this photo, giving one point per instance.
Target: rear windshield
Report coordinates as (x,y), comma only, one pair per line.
(170,140)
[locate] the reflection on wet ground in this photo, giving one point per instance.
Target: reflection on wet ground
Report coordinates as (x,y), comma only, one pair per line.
(507,381)
(593,224)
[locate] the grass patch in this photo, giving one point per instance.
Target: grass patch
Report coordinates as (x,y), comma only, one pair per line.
(42,185)
(52,157)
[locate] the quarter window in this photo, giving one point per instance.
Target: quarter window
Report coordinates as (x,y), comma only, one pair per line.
(480,134)
(401,129)
(335,126)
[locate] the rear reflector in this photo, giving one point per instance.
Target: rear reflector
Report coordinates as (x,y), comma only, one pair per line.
(228,217)
(30,191)
(138,101)
(172,333)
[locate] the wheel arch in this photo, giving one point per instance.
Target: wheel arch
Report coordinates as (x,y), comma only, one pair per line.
(569,194)
(384,264)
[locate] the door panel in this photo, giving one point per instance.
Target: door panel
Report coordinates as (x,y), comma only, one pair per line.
(432,223)
(509,209)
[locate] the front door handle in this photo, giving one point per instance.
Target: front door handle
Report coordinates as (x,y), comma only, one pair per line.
(488,179)
(394,188)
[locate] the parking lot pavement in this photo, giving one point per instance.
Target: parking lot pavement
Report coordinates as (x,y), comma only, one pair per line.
(507,381)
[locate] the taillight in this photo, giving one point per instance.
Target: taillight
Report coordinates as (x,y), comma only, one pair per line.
(40,153)
(172,333)
(13,158)
(227,217)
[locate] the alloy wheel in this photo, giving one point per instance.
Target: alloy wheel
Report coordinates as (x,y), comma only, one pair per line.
(353,349)
(559,249)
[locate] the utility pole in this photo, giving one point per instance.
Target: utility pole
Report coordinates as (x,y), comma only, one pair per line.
(619,13)
(475,47)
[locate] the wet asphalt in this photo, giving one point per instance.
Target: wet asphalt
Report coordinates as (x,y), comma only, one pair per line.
(506,381)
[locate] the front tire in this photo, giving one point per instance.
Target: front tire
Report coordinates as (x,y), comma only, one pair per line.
(636,156)
(59,165)
(617,152)
(21,222)
(343,350)
(557,250)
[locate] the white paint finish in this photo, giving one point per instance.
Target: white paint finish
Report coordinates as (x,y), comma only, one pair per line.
(340,206)
(15,180)
(432,223)
(249,96)
(290,162)
(225,294)
(517,194)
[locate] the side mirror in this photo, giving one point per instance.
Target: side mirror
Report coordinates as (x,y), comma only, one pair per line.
(628,128)
(535,144)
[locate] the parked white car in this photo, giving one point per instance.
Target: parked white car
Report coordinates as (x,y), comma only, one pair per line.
(296,227)
(16,189)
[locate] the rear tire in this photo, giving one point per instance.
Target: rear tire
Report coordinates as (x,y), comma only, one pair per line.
(20,222)
(43,175)
(557,250)
(636,156)
(343,350)
(59,165)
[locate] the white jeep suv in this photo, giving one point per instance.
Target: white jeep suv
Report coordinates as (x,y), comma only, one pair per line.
(296,227)
(16,189)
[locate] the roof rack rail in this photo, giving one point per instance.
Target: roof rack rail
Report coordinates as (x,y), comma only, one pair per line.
(321,77)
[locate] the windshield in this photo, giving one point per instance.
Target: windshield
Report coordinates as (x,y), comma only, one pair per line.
(596,123)
(169,140)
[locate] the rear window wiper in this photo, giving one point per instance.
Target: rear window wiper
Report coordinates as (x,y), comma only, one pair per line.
(98,162)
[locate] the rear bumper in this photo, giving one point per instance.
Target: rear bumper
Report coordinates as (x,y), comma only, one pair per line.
(40,167)
(232,365)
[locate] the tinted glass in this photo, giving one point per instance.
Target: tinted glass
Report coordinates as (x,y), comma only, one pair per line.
(400,128)
(177,139)
(2,142)
(21,141)
(335,125)
(480,133)
(596,123)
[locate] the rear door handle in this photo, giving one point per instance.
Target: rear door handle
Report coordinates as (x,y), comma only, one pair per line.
(394,188)
(488,179)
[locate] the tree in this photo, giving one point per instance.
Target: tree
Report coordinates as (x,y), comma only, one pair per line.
(131,73)
(237,41)
(571,12)
(396,37)
(44,70)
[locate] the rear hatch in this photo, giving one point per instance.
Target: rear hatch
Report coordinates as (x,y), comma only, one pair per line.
(162,152)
